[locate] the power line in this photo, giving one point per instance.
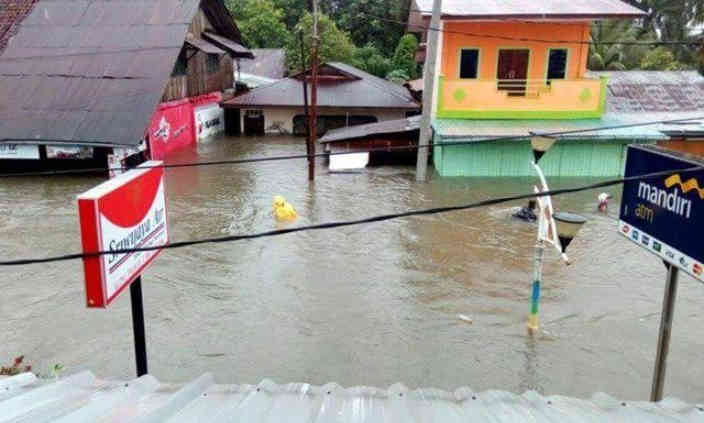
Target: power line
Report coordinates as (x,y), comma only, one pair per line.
(330,225)
(536,40)
(340,153)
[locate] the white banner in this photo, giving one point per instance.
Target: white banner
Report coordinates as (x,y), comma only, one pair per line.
(19,151)
(210,120)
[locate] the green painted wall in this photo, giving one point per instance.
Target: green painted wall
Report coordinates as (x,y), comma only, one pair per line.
(513,158)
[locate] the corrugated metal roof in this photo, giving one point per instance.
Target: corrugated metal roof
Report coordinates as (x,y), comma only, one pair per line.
(532,9)
(384,127)
(268,62)
(204,46)
(84,398)
(362,91)
(91,72)
(654,91)
(480,130)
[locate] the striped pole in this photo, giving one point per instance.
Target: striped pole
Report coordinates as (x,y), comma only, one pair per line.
(533,324)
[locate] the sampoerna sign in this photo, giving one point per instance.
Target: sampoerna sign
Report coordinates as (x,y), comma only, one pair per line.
(665,215)
(126,212)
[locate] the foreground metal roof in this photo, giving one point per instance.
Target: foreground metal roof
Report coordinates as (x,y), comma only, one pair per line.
(84,398)
(531,9)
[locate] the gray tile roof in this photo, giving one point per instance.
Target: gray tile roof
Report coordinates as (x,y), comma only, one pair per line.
(654,91)
(359,90)
(532,9)
(92,72)
(84,398)
(267,62)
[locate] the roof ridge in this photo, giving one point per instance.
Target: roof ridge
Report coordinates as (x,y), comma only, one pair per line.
(372,79)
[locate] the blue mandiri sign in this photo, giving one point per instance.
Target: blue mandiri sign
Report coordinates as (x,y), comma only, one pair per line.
(665,215)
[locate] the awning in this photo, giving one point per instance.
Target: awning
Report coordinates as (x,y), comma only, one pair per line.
(236,49)
(608,128)
(205,46)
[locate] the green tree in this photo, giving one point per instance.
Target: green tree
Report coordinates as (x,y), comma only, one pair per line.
(660,58)
(334,46)
(672,20)
(606,56)
(260,22)
(380,21)
(398,76)
(369,59)
(405,56)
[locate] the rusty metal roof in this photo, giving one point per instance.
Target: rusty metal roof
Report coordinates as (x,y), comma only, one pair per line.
(84,398)
(394,126)
(12,12)
(90,72)
(531,9)
(267,62)
(354,89)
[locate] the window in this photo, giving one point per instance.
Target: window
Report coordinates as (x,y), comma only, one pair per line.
(181,65)
(212,63)
(469,63)
(557,63)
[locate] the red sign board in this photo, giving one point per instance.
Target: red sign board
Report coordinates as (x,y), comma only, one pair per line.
(126,212)
(171,128)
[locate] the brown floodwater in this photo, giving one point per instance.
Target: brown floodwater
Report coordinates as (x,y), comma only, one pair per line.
(372,305)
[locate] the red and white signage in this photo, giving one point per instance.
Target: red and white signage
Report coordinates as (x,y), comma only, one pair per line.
(126,212)
(171,128)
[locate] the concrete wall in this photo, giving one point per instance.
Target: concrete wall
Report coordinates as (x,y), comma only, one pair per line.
(277,121)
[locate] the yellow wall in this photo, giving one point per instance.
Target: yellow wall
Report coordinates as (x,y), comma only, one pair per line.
(488,55)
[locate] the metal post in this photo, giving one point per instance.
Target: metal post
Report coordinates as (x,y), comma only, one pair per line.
(313,95)
(140,342)
(428,87)
(305,96)
(668,311)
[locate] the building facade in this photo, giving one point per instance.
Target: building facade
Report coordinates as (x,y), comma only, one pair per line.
(506,71)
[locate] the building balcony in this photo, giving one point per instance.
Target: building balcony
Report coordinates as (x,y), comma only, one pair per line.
(521,99)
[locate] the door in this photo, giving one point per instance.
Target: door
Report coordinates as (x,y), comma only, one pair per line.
(254,122)
(512,71)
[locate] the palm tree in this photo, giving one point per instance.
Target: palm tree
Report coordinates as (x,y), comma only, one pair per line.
(604,56)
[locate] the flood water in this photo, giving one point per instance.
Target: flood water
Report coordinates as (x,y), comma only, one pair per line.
(361,305)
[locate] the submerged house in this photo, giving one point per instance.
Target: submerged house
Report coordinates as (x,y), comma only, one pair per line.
(509,69)
(85,82)
(346,96)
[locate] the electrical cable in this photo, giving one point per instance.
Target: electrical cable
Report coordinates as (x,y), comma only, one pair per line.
(329,225)
(536,40)
(372,150)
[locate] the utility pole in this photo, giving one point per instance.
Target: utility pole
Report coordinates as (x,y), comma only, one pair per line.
(305,96)
(313,96)
(428,85)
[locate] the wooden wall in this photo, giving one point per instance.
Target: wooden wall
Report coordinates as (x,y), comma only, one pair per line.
(197,80)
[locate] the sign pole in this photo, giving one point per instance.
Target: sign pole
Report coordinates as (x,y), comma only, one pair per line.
(668,311)
(140,342)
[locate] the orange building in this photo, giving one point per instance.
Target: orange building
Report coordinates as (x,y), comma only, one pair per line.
(506,69)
